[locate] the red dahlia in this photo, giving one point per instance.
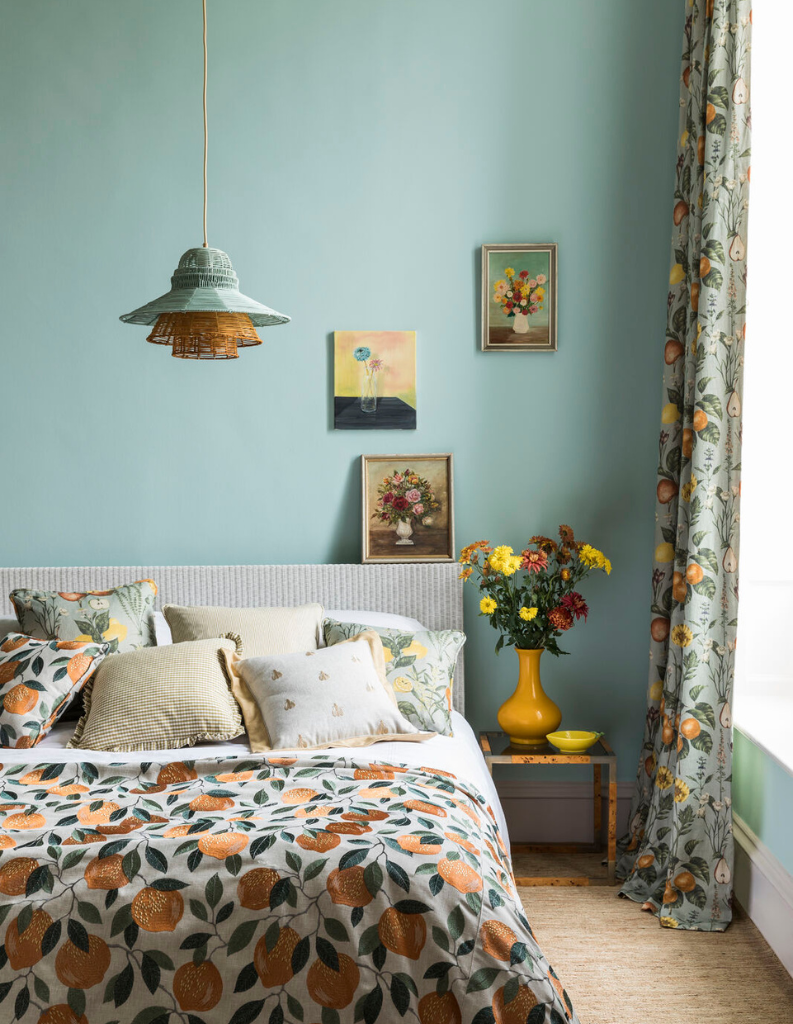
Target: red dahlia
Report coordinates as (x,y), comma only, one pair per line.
(575,604)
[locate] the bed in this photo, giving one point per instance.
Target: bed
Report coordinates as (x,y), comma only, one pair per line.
(209,884)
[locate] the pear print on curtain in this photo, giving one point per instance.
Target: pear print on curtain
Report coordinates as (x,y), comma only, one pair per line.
(677,857)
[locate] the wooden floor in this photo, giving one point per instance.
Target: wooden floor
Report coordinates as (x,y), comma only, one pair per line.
(620,967)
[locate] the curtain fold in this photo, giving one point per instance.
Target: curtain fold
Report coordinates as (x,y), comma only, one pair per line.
(677,858)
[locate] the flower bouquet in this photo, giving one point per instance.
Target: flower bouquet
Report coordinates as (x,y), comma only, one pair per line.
(520,296)
(404,501)
(531,599)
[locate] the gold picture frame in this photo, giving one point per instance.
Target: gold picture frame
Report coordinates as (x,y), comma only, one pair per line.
(519,297)
(407,508)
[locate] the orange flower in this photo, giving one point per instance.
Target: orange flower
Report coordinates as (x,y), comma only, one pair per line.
(534,561)
(544,543)
(471,552)
(566,534)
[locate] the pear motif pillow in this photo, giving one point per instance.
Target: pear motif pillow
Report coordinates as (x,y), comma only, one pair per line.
(335,696)
(419,666)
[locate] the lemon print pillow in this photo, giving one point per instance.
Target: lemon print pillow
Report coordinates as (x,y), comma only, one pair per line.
(122,617)
(419,666)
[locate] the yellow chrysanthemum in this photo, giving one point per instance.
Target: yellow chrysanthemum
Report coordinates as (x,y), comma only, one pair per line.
(509,272)
(527,614)
(465,573)
(487,605)
(594,559)
(664,778)
(402,684)
(682,635)
(541,292)
(502,560)
(681,791)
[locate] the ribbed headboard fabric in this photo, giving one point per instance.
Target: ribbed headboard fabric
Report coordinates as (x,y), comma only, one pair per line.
(431,593)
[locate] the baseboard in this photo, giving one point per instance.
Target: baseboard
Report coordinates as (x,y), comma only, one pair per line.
(558,812)
(765,891)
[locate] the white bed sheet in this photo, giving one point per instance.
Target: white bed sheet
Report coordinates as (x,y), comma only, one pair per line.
(459,754)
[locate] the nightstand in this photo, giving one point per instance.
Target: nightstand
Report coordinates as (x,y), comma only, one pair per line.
(497,749)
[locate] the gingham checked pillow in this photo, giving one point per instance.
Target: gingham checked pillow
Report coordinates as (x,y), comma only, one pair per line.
(160,697)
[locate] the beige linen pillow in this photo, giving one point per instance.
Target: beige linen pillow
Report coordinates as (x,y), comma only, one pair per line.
(159,698)
(263,630)
(334,697)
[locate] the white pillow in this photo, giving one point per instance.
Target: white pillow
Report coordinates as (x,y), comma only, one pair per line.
(162,630)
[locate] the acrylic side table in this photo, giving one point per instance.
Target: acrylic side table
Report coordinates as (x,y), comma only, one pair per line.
(497,749)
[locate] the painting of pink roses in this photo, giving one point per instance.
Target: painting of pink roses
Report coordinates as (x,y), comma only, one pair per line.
(519,298)
(407,508)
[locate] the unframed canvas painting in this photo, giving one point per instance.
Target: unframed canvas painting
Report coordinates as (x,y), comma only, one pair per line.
(374,380)
(408,513)
(519,298)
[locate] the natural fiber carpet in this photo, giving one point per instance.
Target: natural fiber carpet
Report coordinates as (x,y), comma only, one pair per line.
(620,967)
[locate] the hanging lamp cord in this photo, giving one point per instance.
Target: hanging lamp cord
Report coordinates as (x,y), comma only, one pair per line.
(206,129)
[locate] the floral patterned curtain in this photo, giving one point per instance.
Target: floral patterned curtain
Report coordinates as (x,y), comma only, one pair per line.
(677,857)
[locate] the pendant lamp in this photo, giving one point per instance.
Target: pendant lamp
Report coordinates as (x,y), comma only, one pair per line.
(205,315)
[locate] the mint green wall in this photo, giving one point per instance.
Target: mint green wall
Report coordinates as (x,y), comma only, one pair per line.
(763,797)
(361,152)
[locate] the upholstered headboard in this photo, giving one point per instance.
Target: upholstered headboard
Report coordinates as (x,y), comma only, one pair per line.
(431,593)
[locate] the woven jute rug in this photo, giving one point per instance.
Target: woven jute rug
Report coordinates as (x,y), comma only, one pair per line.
(620,967)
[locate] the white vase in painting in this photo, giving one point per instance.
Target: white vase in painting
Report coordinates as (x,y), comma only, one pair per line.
(520,323)
(404,532)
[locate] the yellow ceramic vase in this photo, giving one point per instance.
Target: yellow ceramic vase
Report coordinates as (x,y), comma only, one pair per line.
(529,714)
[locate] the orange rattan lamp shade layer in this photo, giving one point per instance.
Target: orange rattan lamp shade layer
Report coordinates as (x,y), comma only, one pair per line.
(204,335)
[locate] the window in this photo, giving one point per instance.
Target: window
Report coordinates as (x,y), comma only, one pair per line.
(763,705)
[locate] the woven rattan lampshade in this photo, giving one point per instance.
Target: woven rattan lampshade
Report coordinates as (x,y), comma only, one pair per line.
(204,335)
(205,315)
(205,282)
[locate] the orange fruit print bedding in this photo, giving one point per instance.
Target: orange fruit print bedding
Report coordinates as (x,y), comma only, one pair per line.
(274,890)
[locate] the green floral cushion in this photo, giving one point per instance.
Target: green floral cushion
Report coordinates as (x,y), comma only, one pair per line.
(122,618)
(419,666)
(38,679)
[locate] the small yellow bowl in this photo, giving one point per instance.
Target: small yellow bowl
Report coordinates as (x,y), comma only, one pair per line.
(573,741)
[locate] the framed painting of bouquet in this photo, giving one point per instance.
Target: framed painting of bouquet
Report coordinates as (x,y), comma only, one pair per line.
(408,508)
(519,286)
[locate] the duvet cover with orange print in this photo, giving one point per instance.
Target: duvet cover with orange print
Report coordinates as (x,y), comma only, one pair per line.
(279,890)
